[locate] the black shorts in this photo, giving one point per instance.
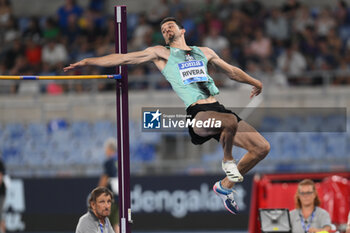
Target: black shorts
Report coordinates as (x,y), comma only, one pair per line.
(192,112)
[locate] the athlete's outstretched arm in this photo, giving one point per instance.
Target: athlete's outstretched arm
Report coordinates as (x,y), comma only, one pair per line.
(139,57)
(233,72)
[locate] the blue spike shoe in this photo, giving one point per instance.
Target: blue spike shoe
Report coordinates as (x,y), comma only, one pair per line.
(227,197)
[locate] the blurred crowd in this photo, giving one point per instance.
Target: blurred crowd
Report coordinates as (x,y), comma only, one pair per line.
(284,44)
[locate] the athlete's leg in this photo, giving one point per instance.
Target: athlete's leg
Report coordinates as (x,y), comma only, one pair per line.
(256,145)
(228,130)
(248,138)
(234,133)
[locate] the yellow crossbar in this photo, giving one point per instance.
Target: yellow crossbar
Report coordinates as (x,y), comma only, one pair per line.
(58,77)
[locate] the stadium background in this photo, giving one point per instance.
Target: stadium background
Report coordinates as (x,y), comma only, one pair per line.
(52,132)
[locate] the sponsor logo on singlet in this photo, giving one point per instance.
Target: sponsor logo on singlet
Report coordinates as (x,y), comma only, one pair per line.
(192,71)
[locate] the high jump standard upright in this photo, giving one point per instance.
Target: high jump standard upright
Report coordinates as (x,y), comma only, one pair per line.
(122,123)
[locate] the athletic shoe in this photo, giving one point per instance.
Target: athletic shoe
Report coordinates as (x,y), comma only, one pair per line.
(227,197)
(231,171)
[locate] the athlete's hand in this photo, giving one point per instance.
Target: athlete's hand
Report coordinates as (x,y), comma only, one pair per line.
(75,65)
(256,89)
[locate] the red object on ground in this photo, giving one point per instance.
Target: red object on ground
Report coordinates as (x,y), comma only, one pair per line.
(278,190)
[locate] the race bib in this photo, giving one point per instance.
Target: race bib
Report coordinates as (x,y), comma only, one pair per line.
(192,71)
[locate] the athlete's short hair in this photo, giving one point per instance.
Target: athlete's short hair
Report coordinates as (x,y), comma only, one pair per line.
(167,19)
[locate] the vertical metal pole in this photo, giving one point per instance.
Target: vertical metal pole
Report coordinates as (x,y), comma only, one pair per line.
(122,123)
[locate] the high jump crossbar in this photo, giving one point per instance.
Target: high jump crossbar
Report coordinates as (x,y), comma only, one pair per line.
(122,114)
(59,77)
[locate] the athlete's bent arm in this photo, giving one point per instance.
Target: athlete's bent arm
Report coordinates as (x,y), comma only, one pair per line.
(139,57)
(233,72)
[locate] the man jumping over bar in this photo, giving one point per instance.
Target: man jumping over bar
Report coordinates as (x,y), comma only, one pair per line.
(197,89)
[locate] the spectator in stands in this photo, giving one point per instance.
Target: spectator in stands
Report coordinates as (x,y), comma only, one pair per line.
(176,6)
(215,41)
(226,55)
(190,26)
(21,66)
(334,42)
(5,15)
(84,49)
(208,23)
(99,208)
(291,62)
(158,12)
(233,28)
(109,179)
(251,8)
(33,31)
(97,5)
(89,29)
(271,76)
(224,9)
(325,59)
(96,13)
(342,13)
(208,6)
(308,45)
(141,31)
(254,12)
(11,31)
(253,68)
(69,8)
(261,47)
(110,32)
(54,53)
(302,20)
(308,216)
(324,22)
(277,26)
(72,31)
(290,7)
(13,52)
(344,77)
(2,196)
(33,53)
(342,16)
(51,30)
(5,11)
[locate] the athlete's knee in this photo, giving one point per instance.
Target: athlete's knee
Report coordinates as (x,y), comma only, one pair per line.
(263,149)
(260,150)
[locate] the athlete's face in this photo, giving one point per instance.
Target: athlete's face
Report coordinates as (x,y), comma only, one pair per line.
(102,206)
(171,31)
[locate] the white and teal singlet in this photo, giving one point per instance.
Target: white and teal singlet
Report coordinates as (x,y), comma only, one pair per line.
(188,75)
